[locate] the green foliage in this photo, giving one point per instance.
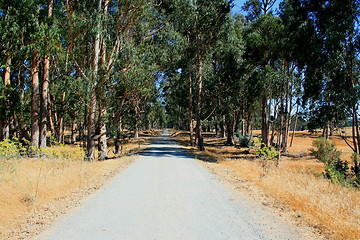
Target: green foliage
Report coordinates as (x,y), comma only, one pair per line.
(244,141)
(325,151)
(11,148)
(267,153)
(337,170)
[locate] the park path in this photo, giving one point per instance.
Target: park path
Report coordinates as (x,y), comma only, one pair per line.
(168,195)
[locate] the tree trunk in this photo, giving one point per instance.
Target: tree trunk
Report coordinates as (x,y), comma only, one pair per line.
(51,119)
(92,108)
(4,120)
(103,151)
(191,127)
(35,99)
(295,126)
(230,131)
(60,122)
(222,127)
(73,129)
(264,119)
(91,129)
(45,91)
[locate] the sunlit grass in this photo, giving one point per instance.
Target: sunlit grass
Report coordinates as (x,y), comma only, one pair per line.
(331,208)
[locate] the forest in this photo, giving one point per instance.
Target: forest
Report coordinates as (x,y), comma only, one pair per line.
(95,68)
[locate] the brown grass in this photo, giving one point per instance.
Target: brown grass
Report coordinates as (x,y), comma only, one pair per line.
(28,184)
(331,208)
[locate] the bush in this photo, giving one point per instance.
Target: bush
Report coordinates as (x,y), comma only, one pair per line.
(336,169)
(244,141)
(265,152)
(325,151)
(11,148)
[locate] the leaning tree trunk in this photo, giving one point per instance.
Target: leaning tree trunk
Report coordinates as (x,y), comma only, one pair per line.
(35,99)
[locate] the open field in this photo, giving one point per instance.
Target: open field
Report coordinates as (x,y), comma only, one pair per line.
(292,188)
(34,191)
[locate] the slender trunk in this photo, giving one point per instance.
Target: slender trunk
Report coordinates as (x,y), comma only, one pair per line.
(222,127)
(295,126)
(45,91)
(273,124)
(103,152)
(117,142)
(35,99)
(191,127)
(264,119)
(357,128)
(199,76)
(354,136)
(60,121)
(91,129)
(73,129)
(4,120)
(51,119)
(92,108)
(44,102)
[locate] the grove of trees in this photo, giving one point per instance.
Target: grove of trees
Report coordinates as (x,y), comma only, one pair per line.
(93,68)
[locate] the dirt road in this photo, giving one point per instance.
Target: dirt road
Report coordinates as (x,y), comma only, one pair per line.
(168,195)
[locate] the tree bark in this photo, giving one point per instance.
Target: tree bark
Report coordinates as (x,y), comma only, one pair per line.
(5,121)
(198,107)
(230,131)
(92,108)
(191,127)
(103,151)
(264,119)
(35,99)
(222,127)
(45,91)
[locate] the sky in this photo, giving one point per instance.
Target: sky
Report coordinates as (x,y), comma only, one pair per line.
(239,3)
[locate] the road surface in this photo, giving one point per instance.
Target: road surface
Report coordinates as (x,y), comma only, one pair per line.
(168,195)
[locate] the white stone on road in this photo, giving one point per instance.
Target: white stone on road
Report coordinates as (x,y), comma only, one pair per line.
(168,195)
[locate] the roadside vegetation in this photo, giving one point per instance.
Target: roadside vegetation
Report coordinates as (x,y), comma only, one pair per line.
(31,184)
(298,185)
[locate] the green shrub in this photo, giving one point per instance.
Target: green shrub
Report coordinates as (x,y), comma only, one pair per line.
(11,148)
(336,169)
(244,141)
(265,152)
(325,151)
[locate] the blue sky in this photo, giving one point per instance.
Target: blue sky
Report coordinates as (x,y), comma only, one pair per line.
(239,3)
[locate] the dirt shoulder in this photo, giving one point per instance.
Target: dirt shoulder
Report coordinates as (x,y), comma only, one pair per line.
(320,209)
(37,192)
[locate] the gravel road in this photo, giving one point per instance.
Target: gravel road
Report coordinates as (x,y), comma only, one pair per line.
(168,195)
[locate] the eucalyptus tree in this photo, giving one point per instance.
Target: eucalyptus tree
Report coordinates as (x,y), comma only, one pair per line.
(324,35)
(262,39)
(227,86)
(199,22)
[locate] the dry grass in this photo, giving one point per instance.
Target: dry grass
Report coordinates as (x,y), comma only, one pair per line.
(331,208)
(28,184)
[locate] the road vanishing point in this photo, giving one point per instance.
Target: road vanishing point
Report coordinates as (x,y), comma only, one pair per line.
(168,195)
